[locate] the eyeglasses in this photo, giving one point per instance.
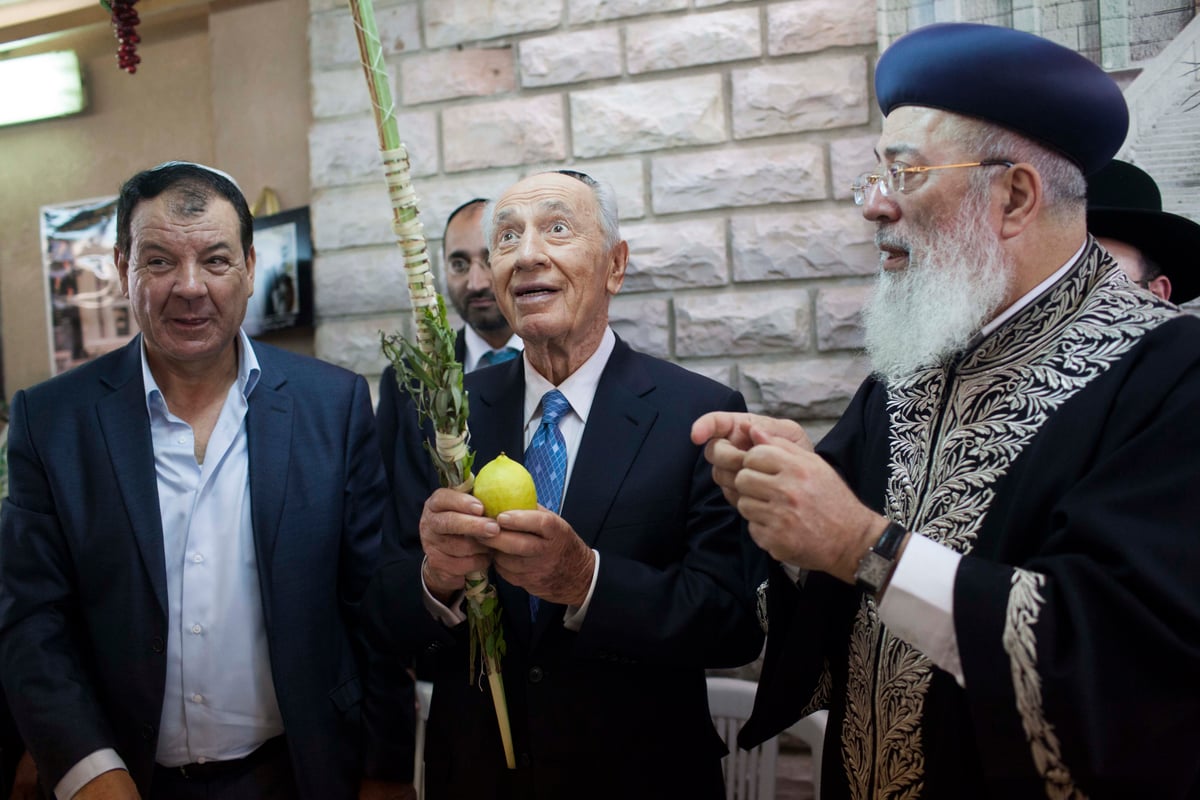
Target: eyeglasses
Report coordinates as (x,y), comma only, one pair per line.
(461,266)
(899,178)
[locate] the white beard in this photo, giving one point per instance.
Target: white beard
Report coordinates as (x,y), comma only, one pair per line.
(955,281)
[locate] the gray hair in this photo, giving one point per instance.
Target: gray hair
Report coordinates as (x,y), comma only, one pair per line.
(606,202)
(1062,179)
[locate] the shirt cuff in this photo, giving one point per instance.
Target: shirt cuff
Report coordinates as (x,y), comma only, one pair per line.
(449,615)
(573,617)
(798,576)
(85,769)
(918,604)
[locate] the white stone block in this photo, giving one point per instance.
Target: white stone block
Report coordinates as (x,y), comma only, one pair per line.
(367,280)
(849,158)
(354,343)
(709,3)
(805,388)
(721,372)
(446,74)
(676,255)
(839,317)
(451,22)
(630,118)
(346,151)
(437,197)
(643,322)
(679,42)
(352,216)
(749,176)
(333,42)
(818,94)
(596,10)
(742,323)
(627,176)
(570,57)
(808,26)
(342,91)
(504,133)
(802,244)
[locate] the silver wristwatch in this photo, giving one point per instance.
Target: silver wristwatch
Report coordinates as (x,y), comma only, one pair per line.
(876,565)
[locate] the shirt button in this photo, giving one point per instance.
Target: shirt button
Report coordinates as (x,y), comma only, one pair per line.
(201,760)
(535,674)
(197,628)
(197,558)
(197,698)
(183,440)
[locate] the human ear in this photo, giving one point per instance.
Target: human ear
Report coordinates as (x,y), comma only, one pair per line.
(1023,199)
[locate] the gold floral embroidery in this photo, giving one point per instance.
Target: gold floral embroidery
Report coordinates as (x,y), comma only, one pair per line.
(881,737)
(820,695)
(1020,642)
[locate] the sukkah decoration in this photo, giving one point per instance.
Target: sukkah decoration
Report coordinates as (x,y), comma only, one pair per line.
(125,21)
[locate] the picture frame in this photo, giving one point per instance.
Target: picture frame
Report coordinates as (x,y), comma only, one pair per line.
(87,313)
(283,295)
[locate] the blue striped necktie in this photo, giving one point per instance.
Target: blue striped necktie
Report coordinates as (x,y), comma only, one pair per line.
(546,460)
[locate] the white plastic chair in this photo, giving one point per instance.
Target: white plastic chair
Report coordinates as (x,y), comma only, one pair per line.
(811,730)
(424,697)
(749,774)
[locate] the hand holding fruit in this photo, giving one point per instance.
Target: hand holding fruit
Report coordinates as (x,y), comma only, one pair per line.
(451,527)
(536,549)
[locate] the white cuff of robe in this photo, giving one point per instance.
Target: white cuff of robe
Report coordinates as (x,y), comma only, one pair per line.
(573,618)
(918,604)
(450,615)
(87,768)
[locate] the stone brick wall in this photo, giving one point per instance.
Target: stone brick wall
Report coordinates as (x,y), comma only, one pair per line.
(730,130)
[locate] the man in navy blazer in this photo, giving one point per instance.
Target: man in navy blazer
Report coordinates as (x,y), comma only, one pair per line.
(191,525)
(644,579)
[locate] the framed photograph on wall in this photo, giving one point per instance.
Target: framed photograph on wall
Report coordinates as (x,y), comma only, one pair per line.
(88,314)
(282,273)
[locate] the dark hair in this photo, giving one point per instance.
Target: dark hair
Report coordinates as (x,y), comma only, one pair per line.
(475,202)
(198,183)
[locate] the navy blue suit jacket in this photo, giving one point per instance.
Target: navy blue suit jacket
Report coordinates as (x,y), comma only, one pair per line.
(620,708)
(83,596)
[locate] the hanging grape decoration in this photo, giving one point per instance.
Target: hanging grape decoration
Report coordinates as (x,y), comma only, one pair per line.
(125,21)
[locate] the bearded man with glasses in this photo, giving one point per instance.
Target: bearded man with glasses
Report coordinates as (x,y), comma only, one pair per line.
(986,571)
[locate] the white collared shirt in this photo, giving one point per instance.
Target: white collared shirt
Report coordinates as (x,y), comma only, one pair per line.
(476,347)
(220,700)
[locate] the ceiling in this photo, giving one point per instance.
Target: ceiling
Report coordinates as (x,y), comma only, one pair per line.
(22,20)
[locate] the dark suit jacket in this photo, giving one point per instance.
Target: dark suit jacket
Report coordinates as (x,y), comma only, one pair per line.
(618,709)
(83,596)
(460,346)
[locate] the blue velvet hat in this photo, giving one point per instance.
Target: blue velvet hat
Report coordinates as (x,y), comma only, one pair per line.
(1124,203)
(1030,85)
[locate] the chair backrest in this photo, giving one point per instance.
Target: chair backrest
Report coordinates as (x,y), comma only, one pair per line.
(749,775)
(424,697)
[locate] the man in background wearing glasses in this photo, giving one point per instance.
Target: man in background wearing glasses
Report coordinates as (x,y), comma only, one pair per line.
(986,572)
(485,337)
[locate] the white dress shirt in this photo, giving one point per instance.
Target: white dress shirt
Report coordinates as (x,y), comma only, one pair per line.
(580,390)
(476,347)
(219,702)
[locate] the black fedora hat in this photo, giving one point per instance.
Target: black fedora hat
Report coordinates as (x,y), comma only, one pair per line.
(1124,203)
